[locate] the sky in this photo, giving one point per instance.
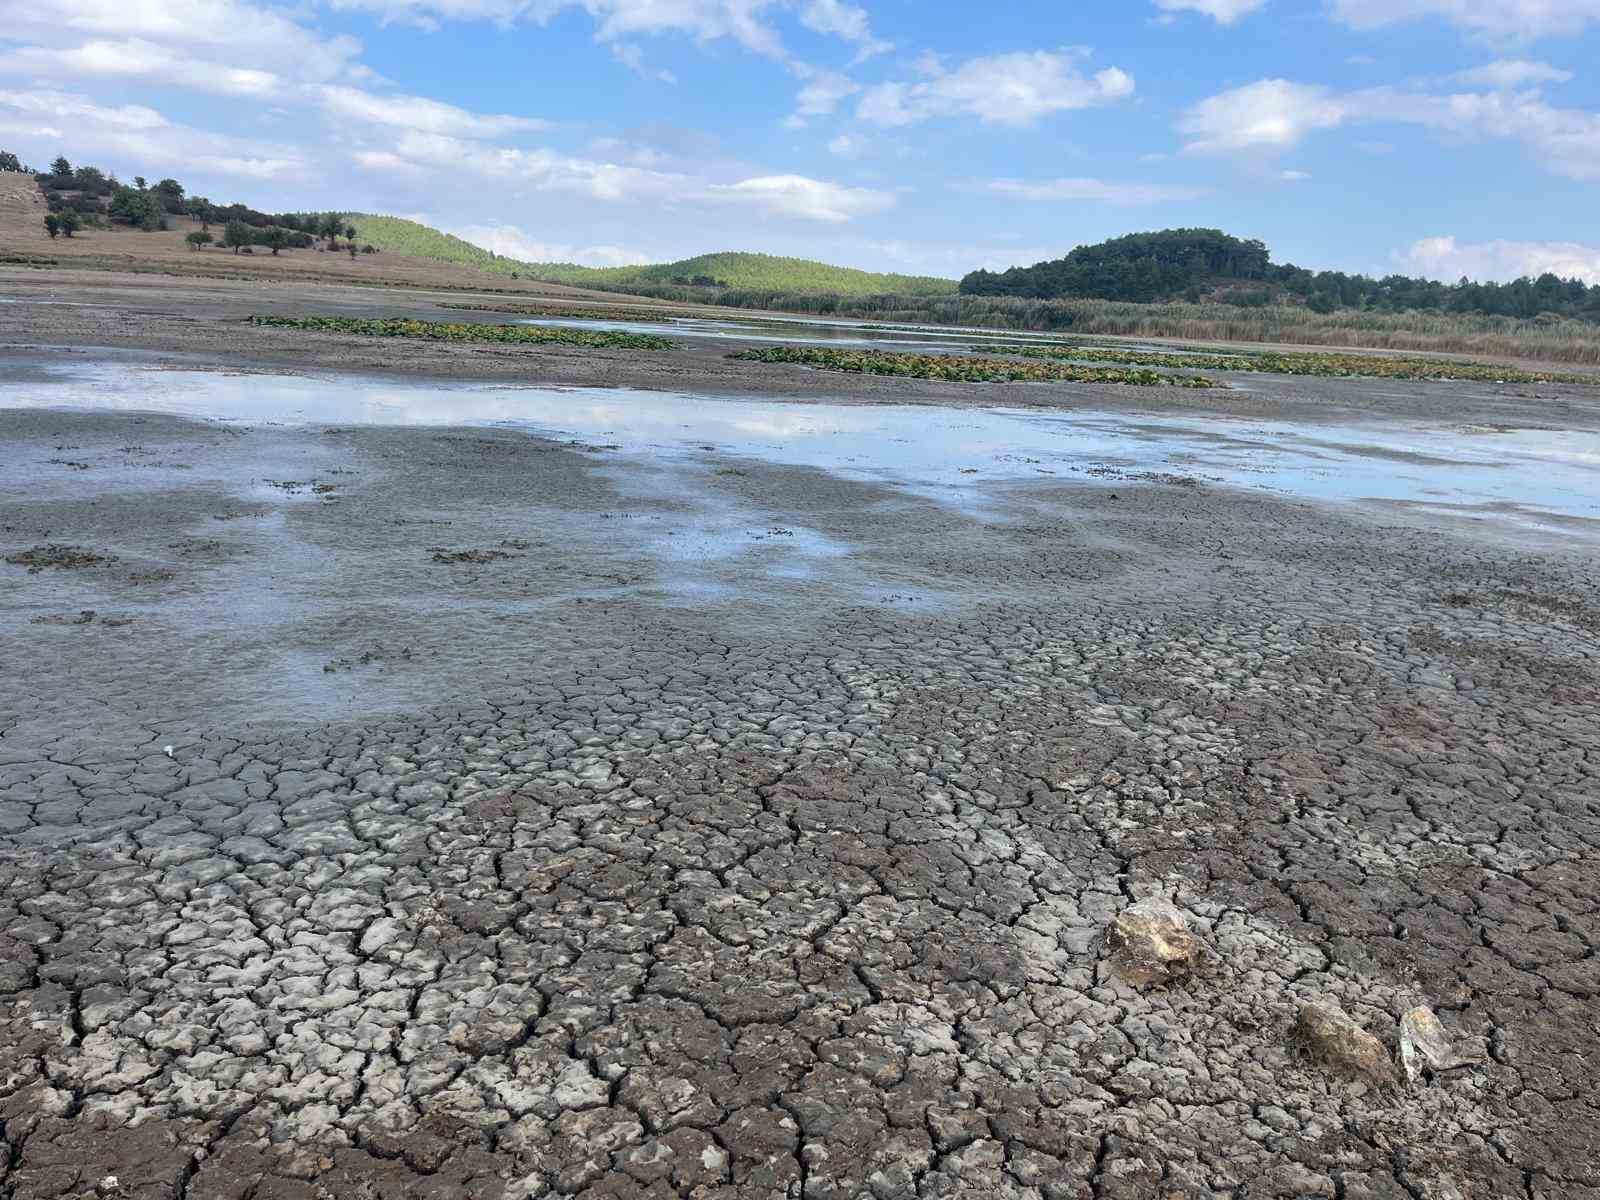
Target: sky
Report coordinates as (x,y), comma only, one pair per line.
(1430,137)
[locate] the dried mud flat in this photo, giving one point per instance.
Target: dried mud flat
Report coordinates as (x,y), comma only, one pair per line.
(418,831)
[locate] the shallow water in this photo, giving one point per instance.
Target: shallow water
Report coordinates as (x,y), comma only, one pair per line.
(840,334)
(1543,477)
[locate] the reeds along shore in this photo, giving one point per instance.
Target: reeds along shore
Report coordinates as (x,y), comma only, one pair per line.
(1549,338)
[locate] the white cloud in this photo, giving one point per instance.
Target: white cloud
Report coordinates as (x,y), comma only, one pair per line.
(1225,12)
(1495,20)
(1508,73)
(821,96)
(749,23)
(1270,115)
(1446,258)
(842,20)
(539,169)
(630,56)
(1567,141)
(808,199)
(420,114)
(131,136)
(225,33)
(1003,89)
(511,242)
(1294,176)
(136,58)
(1096,190)
(1274,115)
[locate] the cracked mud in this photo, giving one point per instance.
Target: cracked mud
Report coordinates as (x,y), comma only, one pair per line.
(551,860)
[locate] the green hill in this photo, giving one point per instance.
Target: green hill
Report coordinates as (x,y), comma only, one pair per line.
(731,269)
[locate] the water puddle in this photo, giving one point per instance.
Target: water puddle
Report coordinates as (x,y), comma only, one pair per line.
(1541,477)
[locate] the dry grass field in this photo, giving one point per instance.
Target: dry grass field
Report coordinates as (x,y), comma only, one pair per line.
(114,247)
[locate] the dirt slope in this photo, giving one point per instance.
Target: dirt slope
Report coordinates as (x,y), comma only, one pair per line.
(23,236)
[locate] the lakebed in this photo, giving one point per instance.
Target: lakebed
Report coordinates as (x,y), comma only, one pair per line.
(426,786)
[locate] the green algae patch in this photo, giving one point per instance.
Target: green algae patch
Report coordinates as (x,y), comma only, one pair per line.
(1272,362)
(462,331)
(961,368)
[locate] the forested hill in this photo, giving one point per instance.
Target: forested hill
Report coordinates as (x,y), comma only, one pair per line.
(1202,264)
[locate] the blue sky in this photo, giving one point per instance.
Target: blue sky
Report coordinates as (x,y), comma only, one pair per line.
(1436,137)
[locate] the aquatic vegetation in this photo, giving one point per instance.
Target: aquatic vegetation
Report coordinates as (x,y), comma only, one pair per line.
(1299,363)
(554,312)
(452,331)
(961,368)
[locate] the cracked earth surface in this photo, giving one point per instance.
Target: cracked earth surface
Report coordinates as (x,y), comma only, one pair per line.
(330,868)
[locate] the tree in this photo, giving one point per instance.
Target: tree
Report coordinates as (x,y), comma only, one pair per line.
(138,182)
(9,161)
(349,233)
(91,181)
(237,234)
(332,226)
(197,239)
(352,248)
(52,225)
(277,238)
(169,192)
(61,166)
(69,222)
(136,208)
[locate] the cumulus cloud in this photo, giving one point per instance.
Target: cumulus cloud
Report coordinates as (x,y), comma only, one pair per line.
(807,199)
(821,95)
(749,23)
(1496,20)
(1448,259)
(1002,89)
(1275,115)
(1224,12)
(228,34)
(539,169)
(37,123)
(138,59)
(1095,191)
(512,242)
(421,114)
(1270,115)
(1509,73)
(842,20)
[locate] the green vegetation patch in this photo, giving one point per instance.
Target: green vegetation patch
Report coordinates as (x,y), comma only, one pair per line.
(460,331)
(573,314)
(1277,363)
(961,368)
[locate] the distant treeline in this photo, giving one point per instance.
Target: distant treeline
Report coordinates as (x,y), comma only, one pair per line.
(1546,336)
(1201,264)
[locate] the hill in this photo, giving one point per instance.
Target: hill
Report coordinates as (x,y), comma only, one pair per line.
(1197,265)
(733,269)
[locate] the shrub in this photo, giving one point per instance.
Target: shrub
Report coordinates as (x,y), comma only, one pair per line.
(69,222)
(198,239)
(52,225)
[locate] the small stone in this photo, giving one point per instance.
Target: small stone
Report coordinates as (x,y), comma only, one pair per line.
(1340,1044)
(1151,943)
(109,1185)
(1423,1041)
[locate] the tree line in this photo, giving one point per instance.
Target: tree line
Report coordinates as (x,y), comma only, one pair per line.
(1206,264)
(86,195)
